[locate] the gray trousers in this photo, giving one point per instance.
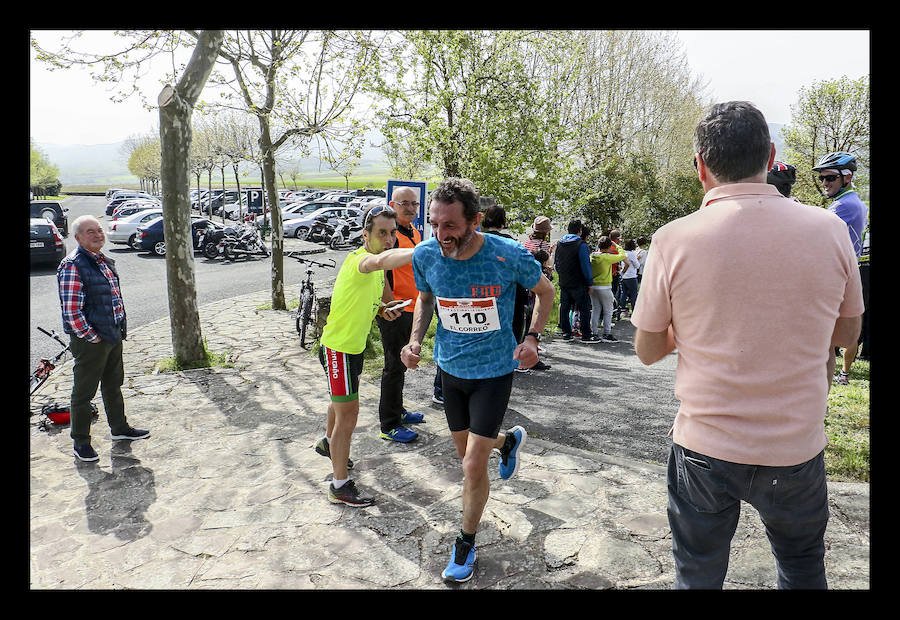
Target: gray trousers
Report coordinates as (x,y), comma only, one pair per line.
(96,364)
(705,497)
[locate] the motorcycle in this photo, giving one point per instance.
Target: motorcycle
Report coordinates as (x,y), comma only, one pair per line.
(209,242)
(318,232)
(245,240)
(346,233)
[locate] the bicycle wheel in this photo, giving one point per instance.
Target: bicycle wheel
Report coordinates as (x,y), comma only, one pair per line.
(304,315)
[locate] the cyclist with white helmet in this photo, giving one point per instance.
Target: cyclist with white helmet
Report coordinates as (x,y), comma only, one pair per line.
(836,174)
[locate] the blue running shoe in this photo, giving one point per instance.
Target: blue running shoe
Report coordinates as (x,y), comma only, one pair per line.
(410,417)
(509,461)
(400,434)
(460,572)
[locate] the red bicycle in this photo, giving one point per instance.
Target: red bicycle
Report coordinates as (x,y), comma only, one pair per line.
(45,366)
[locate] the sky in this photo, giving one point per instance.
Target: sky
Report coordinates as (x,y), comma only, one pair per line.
(766,67)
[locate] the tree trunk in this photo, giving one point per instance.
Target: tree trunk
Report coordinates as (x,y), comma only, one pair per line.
(237,180)
(175,110)
(223,195)
(277,237)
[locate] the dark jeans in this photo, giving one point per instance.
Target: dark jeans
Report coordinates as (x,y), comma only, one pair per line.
(96,365)
(705,497)
(577,298)
(394,336)
(628,292)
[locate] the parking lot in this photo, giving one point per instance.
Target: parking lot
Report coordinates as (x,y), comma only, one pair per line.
(143,279)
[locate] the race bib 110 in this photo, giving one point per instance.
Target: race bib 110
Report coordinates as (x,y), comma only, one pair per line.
(468,316)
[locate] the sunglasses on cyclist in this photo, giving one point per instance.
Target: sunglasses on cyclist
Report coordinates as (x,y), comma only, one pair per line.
(376,211)
(828,177)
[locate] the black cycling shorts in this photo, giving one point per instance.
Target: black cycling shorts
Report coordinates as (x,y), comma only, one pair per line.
(476,405)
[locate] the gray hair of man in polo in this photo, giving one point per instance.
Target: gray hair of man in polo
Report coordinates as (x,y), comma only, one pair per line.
(733,140)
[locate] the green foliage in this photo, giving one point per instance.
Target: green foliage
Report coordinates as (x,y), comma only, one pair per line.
(44,176)
(830,115)
(630,194)
(473,109)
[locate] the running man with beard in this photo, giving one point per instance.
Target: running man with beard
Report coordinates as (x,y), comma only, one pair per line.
(470,278)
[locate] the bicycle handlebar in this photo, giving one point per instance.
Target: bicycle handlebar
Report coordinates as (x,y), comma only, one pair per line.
(301,259)
(53,335)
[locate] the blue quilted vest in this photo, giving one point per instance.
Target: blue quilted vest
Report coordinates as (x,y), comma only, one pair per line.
(98,308)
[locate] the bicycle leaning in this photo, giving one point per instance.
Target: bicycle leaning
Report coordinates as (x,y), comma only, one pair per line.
(46,366)
(307,297)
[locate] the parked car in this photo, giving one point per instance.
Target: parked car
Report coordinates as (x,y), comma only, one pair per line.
(150,236)
(120,198)
(229,198)
(306,208)
(299,196)
(363,202)
(204,198)
(53,211)
(316,194)
(46,242)
(113,190)
(341,197)
(233,209)
(124,230)
(130,207)
(299,226)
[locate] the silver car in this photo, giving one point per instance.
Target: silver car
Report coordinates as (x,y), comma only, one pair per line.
(122,231)
(299,227)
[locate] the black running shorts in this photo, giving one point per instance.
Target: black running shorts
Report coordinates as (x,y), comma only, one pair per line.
(476,404)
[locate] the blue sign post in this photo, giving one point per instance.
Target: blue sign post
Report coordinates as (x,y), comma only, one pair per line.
(421,221)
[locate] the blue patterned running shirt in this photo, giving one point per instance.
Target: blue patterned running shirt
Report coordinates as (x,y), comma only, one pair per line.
(474,300)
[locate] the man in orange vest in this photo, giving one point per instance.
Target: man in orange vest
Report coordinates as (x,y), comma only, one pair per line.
(395,334)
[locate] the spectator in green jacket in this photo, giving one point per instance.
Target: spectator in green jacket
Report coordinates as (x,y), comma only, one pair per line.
(601,289)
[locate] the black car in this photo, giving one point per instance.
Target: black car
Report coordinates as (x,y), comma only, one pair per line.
(46,243)
(53,211)
(152,239)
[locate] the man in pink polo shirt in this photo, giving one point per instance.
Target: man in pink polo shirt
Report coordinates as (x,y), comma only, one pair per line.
(753,351)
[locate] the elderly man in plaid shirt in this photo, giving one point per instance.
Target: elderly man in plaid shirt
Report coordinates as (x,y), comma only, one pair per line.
(93,315)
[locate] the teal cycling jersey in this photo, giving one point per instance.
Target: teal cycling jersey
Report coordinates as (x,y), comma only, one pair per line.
(474,301)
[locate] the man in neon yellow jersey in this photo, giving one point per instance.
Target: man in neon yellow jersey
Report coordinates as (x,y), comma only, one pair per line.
(360,293)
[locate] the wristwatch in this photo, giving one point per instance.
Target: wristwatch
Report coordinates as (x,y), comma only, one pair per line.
(536,335)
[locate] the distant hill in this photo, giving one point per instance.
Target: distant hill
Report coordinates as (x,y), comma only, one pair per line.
(99,164)
(107,164)
(81,164)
